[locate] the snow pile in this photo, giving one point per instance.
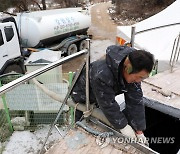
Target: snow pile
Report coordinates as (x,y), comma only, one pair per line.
(55,136)
(21,143)
(3,15)
(26,142)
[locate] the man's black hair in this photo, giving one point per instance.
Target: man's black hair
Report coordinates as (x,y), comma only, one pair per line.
(141,60)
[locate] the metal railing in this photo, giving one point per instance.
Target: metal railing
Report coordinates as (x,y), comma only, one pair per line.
(133,32)
(38,72)
(176,46)
(13,95)
(175,52)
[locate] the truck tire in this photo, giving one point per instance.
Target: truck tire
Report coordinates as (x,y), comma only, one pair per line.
(82,45)
(72,49)
(14,68)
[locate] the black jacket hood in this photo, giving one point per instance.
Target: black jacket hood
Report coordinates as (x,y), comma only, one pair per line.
(115,55)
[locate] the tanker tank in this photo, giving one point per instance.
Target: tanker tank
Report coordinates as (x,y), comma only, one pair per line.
(43,28)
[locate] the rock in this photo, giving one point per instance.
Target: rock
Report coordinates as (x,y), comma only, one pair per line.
(18,123)
(165,92)
(18,128)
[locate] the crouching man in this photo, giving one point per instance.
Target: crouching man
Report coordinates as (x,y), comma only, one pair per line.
(121,71)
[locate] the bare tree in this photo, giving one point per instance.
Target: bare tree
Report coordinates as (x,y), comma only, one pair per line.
(67,3)
(4,5)
(38,5)
(23,5)
(44,4)
(136,8)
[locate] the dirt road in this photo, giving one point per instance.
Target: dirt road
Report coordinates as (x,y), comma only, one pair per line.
(102,28)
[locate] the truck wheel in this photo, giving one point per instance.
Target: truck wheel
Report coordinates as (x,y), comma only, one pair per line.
(13,68)
(72,49)
(83,45)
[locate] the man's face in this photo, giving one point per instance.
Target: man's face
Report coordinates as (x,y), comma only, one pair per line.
(136,77)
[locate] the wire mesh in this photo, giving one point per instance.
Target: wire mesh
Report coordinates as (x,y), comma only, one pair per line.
(29,106)
(4,127)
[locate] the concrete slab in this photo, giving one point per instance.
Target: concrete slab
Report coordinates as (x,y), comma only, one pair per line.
(79,141)
(164,90)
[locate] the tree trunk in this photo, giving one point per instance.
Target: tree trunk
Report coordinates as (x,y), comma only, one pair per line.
(44,4)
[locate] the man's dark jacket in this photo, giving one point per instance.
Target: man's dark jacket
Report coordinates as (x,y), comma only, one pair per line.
(106,81)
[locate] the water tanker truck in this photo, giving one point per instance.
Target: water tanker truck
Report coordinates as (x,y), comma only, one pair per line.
(59,29)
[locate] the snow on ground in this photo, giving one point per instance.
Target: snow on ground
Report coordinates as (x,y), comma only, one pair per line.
(22,142)
(26,142)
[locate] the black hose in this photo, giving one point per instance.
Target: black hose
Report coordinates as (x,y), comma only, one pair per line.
(93,131)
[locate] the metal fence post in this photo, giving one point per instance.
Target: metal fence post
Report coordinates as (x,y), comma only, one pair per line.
(6,110)
(87,75)
(133,33)
(71,108)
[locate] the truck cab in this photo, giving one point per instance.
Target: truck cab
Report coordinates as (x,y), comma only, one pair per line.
(10,51)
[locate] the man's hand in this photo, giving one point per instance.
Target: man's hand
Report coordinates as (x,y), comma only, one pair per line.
(141,138)
(128,131)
